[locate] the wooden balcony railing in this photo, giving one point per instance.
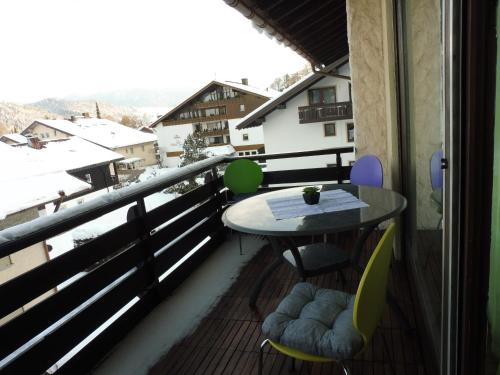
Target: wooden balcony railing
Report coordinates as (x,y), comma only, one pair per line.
(122,274)
(325,112)
(212,132)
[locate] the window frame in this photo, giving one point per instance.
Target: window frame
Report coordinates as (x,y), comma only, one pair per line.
(321,89)
(334,129)
(347,132)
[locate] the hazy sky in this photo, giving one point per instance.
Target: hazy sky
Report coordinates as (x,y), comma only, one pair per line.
(60,47)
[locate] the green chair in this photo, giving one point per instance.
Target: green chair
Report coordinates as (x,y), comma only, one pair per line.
(242,178)
(324,325)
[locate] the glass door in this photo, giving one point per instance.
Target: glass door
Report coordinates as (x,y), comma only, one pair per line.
(421,57)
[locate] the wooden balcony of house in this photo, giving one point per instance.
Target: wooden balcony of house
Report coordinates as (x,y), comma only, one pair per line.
(213,132)
(325,112)
(147,296)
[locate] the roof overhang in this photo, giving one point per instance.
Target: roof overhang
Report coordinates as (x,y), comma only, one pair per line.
(317,30)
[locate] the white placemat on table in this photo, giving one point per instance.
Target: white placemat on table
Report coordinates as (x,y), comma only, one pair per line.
(330,201)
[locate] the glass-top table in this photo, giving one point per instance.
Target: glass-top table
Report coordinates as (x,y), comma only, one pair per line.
(254,216)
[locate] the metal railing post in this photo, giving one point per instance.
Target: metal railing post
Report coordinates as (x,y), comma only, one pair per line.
(339,168)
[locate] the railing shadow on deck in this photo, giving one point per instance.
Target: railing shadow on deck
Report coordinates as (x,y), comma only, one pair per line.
(127,271)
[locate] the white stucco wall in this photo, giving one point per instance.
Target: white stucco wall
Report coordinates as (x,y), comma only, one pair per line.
(170,139)
(255,135)
(284,133)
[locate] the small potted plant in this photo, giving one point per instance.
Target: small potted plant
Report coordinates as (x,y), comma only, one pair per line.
(311,194)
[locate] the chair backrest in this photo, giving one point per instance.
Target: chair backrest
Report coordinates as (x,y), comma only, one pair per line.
(436,171)
(370,298)
(243,176)
(367,170)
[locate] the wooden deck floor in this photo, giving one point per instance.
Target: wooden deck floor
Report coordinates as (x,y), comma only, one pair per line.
(228,339)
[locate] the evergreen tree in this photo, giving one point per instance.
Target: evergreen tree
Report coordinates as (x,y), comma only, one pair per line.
(97,111)
(193,150)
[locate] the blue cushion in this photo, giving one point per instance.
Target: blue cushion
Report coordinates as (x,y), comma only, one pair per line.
(315,321)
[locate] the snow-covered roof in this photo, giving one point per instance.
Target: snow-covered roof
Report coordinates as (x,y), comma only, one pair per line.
(27,182)
(103,132)
(267,93)
(220,150)
(18,138)
(70,154)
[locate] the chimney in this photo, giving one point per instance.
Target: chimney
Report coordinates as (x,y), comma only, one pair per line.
(244,81)
(86,114)
(34,142)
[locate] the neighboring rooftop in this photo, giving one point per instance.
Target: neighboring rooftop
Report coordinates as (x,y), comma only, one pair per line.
(266,93)
(27,182)
(220,150)
(69,154)
(103,132)
(14,137)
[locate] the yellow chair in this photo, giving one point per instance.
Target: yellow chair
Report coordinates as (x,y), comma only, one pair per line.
(323,325)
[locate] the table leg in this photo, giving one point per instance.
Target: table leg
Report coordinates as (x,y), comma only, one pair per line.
(254,293)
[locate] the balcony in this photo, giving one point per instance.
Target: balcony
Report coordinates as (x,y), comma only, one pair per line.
(213,132)
(325,112)
(116,280)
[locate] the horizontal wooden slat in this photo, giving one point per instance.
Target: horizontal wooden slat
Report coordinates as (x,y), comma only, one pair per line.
(56,344)
(180,204)
(173,254)
(27,325)
(88,357)
(305,175)
(26,287)
(181,273)
(184,223)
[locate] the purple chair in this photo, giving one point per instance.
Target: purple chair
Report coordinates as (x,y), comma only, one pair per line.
(436,171)
(368,171)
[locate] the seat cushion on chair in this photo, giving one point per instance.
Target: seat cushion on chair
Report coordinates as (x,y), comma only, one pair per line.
(315,321)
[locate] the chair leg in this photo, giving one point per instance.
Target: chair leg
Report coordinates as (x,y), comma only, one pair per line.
(292,365)
(343,280)
(239,241)
(386,347)
(261,355)
(345,368)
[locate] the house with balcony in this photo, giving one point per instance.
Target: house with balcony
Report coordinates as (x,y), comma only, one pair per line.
(128,142)
(212,113)
(170,291)
(314,113)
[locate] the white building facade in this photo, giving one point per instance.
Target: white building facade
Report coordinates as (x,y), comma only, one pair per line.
(213,113)
(318,116)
